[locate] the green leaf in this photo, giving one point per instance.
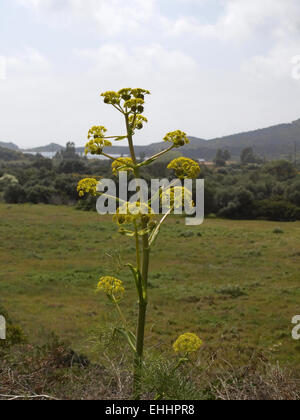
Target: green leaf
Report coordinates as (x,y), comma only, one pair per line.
(138,282)
(129,336)
(120,138)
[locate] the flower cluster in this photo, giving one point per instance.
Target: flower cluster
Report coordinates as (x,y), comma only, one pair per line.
(87,186)
(97,132)
(138,212)
(135,105)
(127,95)
(177,197)
(112,287)
(95,147)
(122,164)
(137,121)
(187,343)
(185,168)
(111,97)
(178,138)
(96,135)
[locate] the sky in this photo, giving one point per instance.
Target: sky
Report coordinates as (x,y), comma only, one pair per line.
(214,67)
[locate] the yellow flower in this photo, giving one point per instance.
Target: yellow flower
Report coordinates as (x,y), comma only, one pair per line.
(178,138)
(112,287)
(185,168)
(97,132)
(127,93)
(87,186)
(135,104)
(140,93)
(137,121)
(96,135)
(111,97)
(177,197)
(122,164)
(133,212)
(187,343)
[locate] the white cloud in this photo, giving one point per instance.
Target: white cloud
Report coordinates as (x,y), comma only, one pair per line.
(29,60)
(193,88)
(111,16)
(244,19)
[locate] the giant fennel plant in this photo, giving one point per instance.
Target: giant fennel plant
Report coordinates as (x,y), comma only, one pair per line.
(139,215)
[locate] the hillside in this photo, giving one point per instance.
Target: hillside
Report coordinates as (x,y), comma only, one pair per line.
(52,147)
(10,146)
(275,142)
(8,155)
(272,143)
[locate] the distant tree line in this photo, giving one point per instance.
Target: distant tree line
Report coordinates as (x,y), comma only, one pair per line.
(251,189)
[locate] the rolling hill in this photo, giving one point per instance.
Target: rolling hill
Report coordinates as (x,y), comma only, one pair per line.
(275,142)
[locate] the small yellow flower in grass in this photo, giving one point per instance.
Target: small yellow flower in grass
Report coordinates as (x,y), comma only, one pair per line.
(187,343)
(122,164)
(112,287)
(185,168)
(178,138)
(87,186)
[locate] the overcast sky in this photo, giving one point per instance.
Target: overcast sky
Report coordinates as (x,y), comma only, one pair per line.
(214,67)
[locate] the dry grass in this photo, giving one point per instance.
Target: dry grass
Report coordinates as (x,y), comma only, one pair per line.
(57,373)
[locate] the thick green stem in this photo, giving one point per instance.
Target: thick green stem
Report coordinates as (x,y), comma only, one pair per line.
(140,336)
(142,319)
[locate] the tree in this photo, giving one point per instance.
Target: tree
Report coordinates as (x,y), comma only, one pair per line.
(222,157)
(248,156)
(14,194)
(7,180)
(281,169)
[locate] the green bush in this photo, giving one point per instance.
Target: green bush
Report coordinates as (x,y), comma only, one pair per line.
(14,194)
(277,210)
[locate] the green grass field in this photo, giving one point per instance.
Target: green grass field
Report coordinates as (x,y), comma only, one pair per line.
(234,283)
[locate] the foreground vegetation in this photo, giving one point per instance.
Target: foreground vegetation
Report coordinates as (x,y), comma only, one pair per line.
(236,284)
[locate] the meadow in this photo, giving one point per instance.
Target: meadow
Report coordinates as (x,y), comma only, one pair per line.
(234,283)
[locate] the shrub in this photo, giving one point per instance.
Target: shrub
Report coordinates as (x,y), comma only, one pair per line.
(14,194)
(6,180)
(40,194)
(277,210)
(233,291)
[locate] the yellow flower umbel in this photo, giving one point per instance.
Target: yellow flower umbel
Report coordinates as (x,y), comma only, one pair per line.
(139,213)
(177,197)
(178,138)
(87,186)
(122,164)
(112,287)
(97,142)
(185,168)
(187,343)
(111,97)
(137,121)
